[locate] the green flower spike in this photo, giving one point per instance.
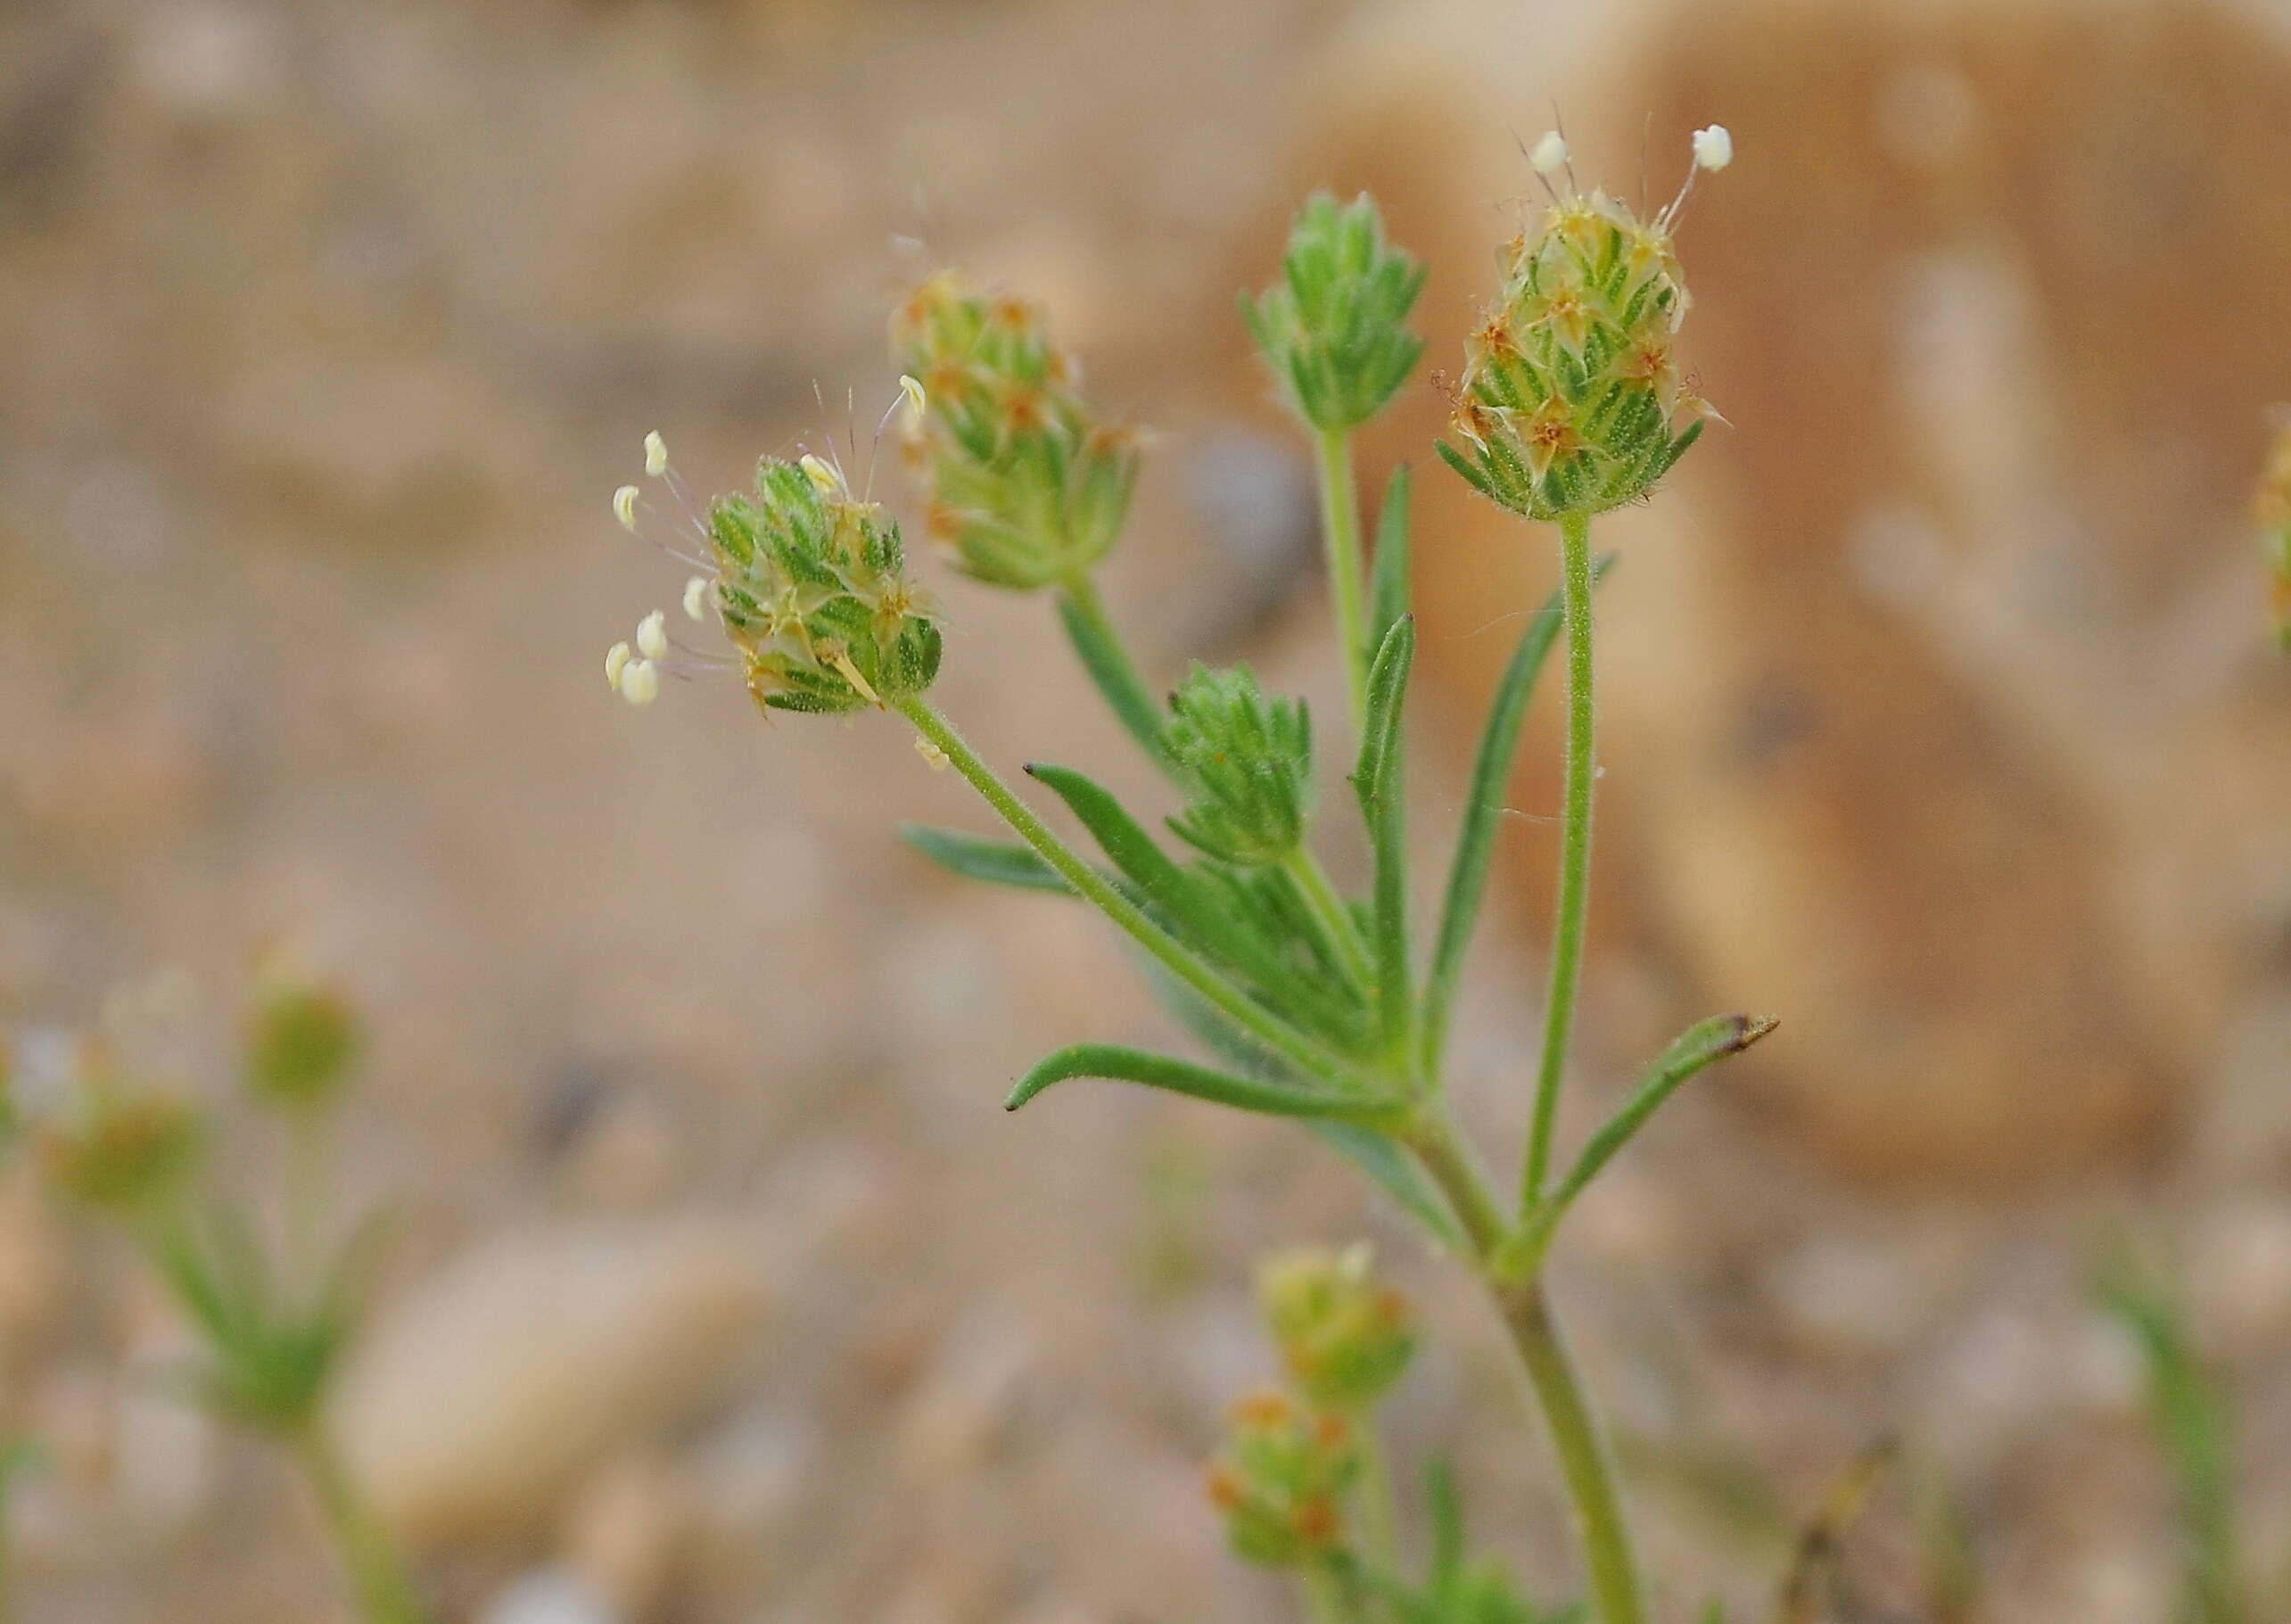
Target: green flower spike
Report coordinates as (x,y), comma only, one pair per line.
(1571,400)
(1345,1338)
(1029,489)
(1247,764)
(1332,329)
(1283,1480)
(809,582)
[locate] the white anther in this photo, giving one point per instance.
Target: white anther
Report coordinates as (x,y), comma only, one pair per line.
(624,506)
(656,455)
(1550,154)
(695,599)
(652,636)
(825,477)
(911,387)
(640,682)
(616,661)
(1714,148)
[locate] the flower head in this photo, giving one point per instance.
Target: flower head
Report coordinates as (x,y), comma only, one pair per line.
(1333,329)
(1247,763)
(1028,488)
(1345,1338)
(1282,1480)
(119,1148)
(809,582)
(301,1038)
(1572,400)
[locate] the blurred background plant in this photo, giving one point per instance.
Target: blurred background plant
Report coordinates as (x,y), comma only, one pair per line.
(272,1295)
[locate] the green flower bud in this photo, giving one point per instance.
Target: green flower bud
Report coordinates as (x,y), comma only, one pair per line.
(301,1041)
(1345,1338)
(2274,510)
(1571,399)
(811,588)
(1331,329)
(1029,488)
(121,1149)
(1282,1480)
(1247,763)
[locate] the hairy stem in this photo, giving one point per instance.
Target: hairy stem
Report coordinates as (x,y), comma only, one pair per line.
(1586,1463)
(1574,854)
(1260,1022)
(377,1574)
(1585,1460)
(1340,536)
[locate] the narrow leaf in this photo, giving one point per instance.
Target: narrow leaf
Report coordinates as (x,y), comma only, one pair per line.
(1115,678)
(1168,1073)
(1700,1045)
(1383,800)
(1388,599)
(1483,808)
(997,862)
(1176,896)
(1369,1152)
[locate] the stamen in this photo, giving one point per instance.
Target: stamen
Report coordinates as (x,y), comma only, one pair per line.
(695,599)
(652,635)
(624,508)
(656,455)
(640,682)
(616,661)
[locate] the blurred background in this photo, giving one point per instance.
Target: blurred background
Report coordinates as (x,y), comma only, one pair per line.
(1940,720)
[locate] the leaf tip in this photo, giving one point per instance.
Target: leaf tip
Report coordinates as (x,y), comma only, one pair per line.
(1749,1029)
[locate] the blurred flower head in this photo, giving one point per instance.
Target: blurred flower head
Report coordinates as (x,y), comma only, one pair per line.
(118,1147)
(1029,489)
(1281,1482)
(1345,1338)
(1573,398)
(301,1038)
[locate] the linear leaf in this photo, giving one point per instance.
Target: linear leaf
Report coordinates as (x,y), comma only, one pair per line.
(1190,908)
(1701,1044)
(1168,1072)
(1483,807)
(1383,805)
(1369,1151)
(1115,678)
(996,863)
(1388,599)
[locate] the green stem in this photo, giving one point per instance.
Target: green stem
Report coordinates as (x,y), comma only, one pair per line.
(1379,1523)
(1340,536)
(1337,921)
(377,1574)
(1109,663)
(1324,1598)
(1586,1463)
(1575,852)
(1251,1017)
(1585,1460)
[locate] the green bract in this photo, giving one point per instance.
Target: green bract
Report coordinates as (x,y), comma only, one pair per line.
(1331,328)
(812,589)
(1247,763)
(1571,393)
(1029,488)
